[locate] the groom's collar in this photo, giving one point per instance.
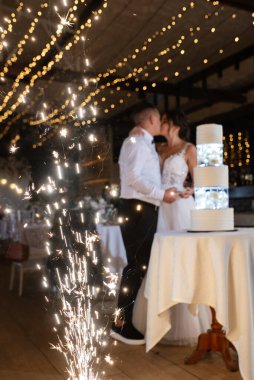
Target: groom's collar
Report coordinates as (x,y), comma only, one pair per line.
(147,135)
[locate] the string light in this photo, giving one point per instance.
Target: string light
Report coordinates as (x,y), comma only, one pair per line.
(95,93)
(112,83)
(119,65)
(11,20)
(45,70)
(12,186)
(90,97)
(29,105)
(21,44)
(27,70)
(133,73)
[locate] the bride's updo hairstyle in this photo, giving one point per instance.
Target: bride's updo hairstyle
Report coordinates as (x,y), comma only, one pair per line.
(178,118)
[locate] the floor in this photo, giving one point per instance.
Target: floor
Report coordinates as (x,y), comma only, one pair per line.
(26,333)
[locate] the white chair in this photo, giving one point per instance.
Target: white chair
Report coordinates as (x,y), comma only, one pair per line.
(34,237)
(37,257)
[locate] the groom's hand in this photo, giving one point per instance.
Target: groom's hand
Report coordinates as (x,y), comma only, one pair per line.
(170,195)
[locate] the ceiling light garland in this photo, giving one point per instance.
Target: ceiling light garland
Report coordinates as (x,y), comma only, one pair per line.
(95,93)
(138,70)
(84,122)
(112,106)
(120,64)
(205,61)
(132,74)
(29,105)
(21,44)
(102,87)
(11,20)
(27,70)
(174,47)
(71,99)
(164,29)
(58,57)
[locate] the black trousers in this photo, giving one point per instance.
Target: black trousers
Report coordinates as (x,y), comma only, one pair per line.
(138,231)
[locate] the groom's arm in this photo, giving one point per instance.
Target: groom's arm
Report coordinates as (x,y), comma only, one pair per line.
(134,161)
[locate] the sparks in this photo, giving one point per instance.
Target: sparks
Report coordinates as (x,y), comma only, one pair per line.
(13,148)
(64,20)
(63,132)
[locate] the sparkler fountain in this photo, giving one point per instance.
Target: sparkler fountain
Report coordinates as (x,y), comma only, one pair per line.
(76,274)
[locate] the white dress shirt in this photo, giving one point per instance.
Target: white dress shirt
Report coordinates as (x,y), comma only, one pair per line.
(140,170)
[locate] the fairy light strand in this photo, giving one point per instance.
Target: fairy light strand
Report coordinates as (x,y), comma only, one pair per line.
(28,69)
(12,19)
(134,72)
(58,57)
(21,44)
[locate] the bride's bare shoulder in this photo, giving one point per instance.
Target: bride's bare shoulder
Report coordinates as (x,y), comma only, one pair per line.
(190,149)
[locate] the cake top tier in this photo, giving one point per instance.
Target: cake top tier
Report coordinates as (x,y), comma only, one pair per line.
(209,134)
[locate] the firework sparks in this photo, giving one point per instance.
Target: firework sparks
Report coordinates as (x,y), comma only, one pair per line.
(78,279)
(64,20)
(13,148)
(112,281)
(63,132)
(82,337)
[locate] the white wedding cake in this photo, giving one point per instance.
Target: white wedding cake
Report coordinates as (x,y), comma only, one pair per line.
(211,183)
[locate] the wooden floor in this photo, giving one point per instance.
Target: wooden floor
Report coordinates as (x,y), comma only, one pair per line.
(26,334)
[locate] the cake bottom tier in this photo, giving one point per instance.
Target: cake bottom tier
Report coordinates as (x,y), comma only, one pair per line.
(212,220)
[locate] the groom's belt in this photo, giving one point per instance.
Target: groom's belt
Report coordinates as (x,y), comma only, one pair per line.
(136,202)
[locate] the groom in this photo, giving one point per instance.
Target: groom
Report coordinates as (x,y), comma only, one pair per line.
(141,194)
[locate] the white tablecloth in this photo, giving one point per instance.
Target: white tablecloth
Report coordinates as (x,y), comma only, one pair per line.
(113,251)
(215,269)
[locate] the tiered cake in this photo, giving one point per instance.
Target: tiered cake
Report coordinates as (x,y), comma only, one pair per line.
(211,183)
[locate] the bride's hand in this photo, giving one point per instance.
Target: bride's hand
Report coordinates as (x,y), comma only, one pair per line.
(188,191)
(136,131)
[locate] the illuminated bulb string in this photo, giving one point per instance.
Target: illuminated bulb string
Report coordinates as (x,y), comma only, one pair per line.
(21,44)
(29,105)
(40,73)
(154,61)
(131,74)
(135,71)
(27,70)
(119,65)
(10,21)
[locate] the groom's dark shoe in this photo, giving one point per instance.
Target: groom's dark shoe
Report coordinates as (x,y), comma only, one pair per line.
(127,334)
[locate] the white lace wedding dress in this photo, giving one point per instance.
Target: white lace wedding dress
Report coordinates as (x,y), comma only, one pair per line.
(186,327)
(176,216)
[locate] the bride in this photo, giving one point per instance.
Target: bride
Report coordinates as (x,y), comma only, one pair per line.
(178,158)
